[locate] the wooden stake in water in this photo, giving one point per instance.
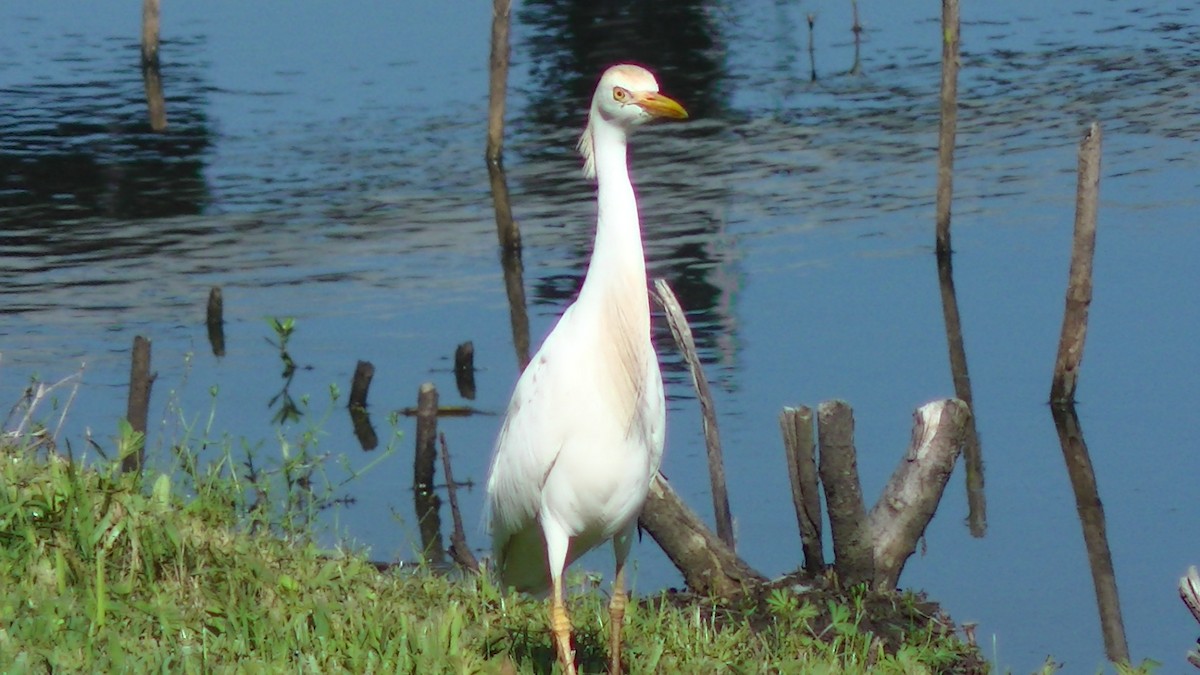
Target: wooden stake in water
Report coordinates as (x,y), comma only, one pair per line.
(1079,283)
(498,79)
(424,498)
(138,410)
(464,370)
(506,227)
(949,122)
(150,21)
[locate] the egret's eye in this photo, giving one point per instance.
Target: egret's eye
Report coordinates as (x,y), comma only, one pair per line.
(620,94)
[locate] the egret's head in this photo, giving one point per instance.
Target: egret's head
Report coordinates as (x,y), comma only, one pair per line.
(626,97)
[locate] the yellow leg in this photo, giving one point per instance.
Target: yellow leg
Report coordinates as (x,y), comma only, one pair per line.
(560,625)
(616,613)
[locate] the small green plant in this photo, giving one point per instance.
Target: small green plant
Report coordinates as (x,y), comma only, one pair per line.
(288,410)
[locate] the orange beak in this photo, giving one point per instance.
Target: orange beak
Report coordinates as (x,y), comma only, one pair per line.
(661,106)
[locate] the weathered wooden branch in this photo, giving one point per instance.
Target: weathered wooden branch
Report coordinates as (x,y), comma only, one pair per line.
(911,497)
(708,566)
(138,408)
(1189,592)
(1079,284)
(838,467)
(797,427)
(712,435)
(867,548)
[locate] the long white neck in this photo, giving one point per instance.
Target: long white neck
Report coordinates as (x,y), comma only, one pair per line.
(618,267)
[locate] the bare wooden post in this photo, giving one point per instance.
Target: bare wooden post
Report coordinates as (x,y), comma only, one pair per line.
(464,370)
(459,549)
(507,230)
(911,497)
(425,499)
(797,427)
(1079,284)
(498,79)
(151,78)
(948,123)
(712,435)
(1095,531)
(708,566)
(138,409)
(150,24)
(426,450)
(214,320)
(838,467)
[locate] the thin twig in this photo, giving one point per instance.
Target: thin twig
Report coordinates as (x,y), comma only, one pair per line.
(459,550)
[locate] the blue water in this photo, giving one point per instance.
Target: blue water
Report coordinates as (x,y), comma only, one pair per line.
(324,162)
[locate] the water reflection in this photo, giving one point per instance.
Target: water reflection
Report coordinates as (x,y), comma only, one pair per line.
(510,263)
(214,321)
(1095,534)
(972,453)
(81,148)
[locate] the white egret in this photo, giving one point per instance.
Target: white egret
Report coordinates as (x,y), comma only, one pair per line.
(583,435)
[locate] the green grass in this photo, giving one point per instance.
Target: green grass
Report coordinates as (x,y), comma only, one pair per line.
(211,568)
(101,572)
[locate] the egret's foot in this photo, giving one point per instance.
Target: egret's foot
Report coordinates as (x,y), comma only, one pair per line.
(560,625)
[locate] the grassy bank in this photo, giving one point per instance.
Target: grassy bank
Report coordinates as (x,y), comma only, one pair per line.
(100,572)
